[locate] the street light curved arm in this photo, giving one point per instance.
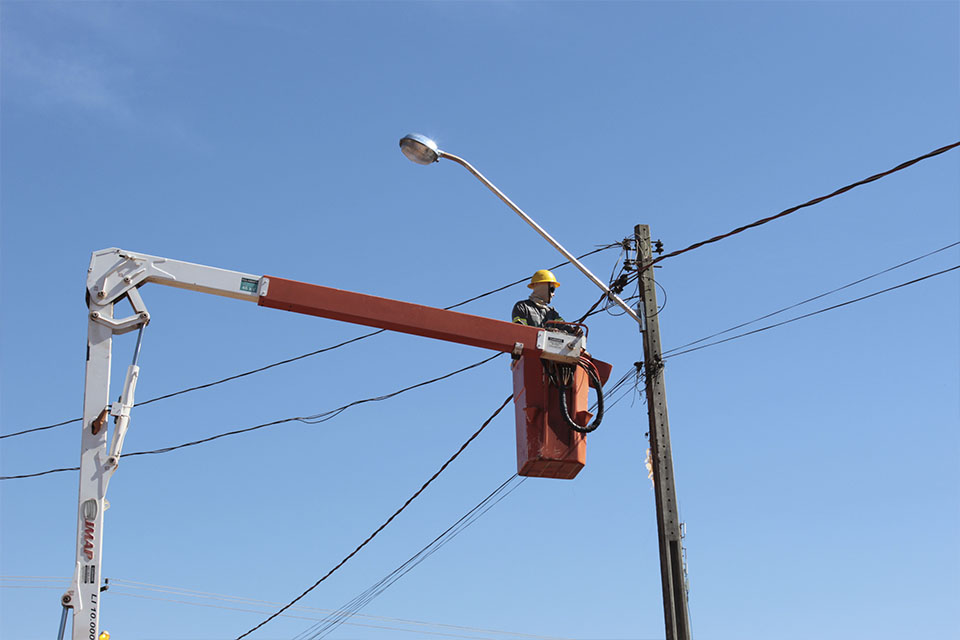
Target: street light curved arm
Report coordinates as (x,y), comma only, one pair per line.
(422,150)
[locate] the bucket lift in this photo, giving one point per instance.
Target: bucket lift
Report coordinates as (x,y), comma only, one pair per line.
(552,373)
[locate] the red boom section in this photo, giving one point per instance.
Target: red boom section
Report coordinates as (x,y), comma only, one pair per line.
(405,317)
(546,446)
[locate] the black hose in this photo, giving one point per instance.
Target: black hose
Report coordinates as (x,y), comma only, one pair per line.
(564,406)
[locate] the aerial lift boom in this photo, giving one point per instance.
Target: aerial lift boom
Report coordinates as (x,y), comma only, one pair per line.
(546,446)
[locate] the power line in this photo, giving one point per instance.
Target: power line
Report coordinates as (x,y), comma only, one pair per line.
(671,254)
(809,203)
(639,378)
(628,278)
(813,313)
(129,584)
(312,419)
(305,355)
(35,429)
(340,616)
(335,619)
(816,297)
(522,280)
(60,583)
(322,417)
(388,520)
(457,527)
(352,608)
(307,614)
(305,617)
(210,384)
(616,285)
(672,353)
(41,473)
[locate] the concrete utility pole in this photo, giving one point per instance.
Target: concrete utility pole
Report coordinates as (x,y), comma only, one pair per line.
(672,572)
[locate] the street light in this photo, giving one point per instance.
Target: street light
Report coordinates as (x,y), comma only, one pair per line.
(422,150)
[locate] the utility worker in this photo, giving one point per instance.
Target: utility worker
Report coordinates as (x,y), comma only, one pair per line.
(536,311)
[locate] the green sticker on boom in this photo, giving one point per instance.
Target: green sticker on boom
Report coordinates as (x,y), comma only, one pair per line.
(248,284)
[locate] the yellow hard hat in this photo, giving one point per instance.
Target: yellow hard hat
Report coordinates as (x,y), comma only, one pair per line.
(105,635)
(542,276)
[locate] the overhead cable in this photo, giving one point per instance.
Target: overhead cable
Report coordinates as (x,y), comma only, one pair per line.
(352,608)
(522,280)
(813,313)
(809,203)
(671,355)
(816,297)
(330,624)
(639,376)
(616,285)
(491,500)
(305,355)
(311,419)
(387,521)
(197,598)
(38,474)
(439,634)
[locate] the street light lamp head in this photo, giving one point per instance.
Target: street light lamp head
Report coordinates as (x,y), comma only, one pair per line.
(419,149)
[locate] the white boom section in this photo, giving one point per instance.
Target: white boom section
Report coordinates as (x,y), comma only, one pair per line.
(113,275)
(113,272)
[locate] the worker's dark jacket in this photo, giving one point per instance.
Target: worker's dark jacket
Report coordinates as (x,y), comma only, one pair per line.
(532,314)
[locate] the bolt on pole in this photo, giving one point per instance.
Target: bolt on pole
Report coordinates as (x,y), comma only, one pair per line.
(672,571)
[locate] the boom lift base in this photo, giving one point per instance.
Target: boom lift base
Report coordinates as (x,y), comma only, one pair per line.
(547,446)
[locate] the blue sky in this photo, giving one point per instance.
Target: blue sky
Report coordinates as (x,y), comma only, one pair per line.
(816,463)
